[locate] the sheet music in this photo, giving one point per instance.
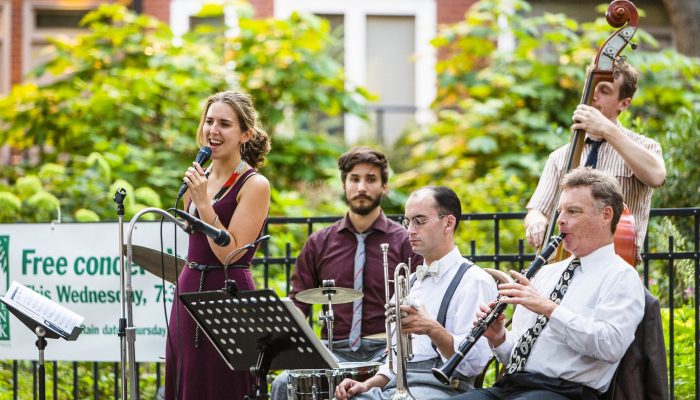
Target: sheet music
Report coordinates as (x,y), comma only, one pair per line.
(42,310)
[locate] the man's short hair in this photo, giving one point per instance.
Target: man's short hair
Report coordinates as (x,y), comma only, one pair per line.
(447,202)
(629,78)
(604,188)
(363,155)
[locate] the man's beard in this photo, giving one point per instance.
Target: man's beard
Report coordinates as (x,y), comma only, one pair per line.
(364,210)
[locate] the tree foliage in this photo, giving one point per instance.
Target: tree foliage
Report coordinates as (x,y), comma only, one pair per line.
(125,98)
(502,112)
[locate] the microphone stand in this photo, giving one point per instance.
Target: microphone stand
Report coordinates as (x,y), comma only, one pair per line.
(119,196)
(130,330)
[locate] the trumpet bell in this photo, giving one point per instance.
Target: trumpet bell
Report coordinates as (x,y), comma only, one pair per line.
(499,276)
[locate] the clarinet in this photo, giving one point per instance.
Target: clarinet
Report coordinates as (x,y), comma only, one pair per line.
(444,373)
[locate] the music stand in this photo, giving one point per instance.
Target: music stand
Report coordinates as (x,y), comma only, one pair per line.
(42,331)
(237,321)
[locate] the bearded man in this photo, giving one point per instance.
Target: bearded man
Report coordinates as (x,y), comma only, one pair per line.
(349,252)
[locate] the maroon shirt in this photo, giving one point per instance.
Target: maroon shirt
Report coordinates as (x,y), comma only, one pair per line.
(330,254)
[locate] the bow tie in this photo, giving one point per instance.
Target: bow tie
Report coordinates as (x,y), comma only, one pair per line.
(423,270)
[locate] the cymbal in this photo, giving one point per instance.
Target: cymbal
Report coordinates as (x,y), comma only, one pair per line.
(150,260)
(338,295)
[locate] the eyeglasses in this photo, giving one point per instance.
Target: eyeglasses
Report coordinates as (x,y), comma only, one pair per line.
(418,221)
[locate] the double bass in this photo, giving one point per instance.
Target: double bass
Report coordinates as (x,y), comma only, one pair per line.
(620,14)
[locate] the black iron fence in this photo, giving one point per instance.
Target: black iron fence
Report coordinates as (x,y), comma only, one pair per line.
(667,258)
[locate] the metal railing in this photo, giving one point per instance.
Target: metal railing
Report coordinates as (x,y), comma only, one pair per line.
(655,256)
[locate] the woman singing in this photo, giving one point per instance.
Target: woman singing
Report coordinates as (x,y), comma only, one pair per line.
(230,195)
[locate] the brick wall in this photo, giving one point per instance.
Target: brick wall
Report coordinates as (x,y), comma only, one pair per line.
(263,8)
(16,37)
(157,8)
(451,11)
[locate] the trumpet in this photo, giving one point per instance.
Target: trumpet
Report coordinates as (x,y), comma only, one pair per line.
(404,342)
(444,373)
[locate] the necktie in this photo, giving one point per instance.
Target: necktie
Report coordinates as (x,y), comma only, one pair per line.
(527,340)
(356,327)
(424,270)
(592,159)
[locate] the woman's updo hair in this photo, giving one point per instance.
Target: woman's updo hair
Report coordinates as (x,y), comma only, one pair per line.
(253,151)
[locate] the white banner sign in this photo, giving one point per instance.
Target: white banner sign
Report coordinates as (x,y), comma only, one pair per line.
(77,266)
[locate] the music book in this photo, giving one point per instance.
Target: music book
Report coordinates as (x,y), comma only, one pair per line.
(43,311)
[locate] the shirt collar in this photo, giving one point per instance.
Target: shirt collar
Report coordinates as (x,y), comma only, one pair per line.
(598,257)
(447,262)
(380,224)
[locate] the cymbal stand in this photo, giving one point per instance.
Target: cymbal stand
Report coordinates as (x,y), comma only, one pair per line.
(328,317)
(119,196)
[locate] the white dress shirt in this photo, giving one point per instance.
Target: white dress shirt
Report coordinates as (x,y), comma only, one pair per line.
(589,332)
(476,287)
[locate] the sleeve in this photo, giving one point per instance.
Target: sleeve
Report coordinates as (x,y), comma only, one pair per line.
(475,289)
(503,351)
(606,334)
(543,197)
(305,275)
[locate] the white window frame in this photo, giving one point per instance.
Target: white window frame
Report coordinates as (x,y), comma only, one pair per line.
(29,30)
(355,15)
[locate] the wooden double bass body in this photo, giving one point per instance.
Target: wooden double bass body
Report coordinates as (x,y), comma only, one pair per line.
(620,14)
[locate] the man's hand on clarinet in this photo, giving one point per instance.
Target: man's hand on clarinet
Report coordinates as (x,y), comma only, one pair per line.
(496,332)
(521,292)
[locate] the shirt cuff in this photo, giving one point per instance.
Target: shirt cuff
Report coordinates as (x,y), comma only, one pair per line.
(502,352)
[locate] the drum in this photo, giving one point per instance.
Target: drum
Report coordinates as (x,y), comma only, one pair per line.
(312,384)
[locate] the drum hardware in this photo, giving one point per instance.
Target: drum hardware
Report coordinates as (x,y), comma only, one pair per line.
(314,384)
(332,295)
(328,294)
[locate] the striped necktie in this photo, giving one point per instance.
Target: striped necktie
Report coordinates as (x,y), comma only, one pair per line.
(356,328)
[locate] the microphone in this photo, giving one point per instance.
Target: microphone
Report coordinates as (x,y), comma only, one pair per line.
(203,155)
(220,236)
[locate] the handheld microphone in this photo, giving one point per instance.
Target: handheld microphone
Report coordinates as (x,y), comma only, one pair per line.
(219,236)
(203,155)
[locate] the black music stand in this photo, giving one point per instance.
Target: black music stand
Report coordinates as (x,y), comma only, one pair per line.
(237,321)
(42,331)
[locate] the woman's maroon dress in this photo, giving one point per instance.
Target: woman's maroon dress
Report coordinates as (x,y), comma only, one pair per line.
(203,373)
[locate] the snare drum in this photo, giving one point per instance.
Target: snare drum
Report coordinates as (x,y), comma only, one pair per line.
(312,384)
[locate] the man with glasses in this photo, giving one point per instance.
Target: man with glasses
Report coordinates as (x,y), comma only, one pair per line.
(349,252)
(444,291)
